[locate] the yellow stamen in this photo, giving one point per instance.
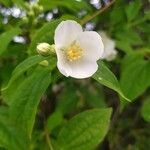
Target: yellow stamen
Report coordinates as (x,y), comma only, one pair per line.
(74,52)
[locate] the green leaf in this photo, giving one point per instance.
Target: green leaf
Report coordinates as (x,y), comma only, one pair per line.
(11,137)
(19,3)
(85,131)
(135,76)
(124,46)
(132,10)
(147,14)
(6,3)
(145,112)
(107,78)
(6,37)
(123,35)
(94,96)
(67,100)
(54,120)
(17,76)
(71,5)
(44,34)
(26,99)
(24,66)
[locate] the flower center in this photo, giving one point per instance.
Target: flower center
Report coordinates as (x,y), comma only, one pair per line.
(74,52)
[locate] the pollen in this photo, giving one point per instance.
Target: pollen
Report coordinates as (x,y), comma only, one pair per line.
(74,52)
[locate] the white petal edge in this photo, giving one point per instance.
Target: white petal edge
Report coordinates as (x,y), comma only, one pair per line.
(92,45)
(66,32)
(82,68)
(62,64)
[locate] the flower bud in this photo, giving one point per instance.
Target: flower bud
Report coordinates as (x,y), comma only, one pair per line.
(25,20)
(41,9)
(31,13)
(45,49)
(44,63)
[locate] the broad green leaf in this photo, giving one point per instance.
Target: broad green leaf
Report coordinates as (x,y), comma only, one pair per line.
(145,112)
(54,120)
(85,131)
(69,4)
(17,76)
(44,34)
(6,37)
(24,66)
(8,93)
(135,76)
(11,137)
(69,17)
(107,78)
(27,97)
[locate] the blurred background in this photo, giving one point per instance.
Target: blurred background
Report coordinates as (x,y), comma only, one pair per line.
(125,26)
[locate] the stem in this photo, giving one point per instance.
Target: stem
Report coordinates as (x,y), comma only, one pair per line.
(48,139)
(88,18)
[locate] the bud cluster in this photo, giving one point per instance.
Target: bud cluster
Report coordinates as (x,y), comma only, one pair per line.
(32,10)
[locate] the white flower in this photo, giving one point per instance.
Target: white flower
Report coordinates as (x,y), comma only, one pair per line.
(109,47)
(77,51)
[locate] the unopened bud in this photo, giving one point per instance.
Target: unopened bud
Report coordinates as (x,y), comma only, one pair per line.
(44,63)
(45,49)
(25,20)
(31,13)
(41,8)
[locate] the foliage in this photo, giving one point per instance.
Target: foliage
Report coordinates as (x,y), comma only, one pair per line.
(42,110)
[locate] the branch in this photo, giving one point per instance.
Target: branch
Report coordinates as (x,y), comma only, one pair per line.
(48,139)
(88,18)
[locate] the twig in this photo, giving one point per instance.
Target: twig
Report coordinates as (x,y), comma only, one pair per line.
(115,116)
(48,139)
(88,18)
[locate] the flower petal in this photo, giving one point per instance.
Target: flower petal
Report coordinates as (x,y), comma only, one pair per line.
(82,68)
(92,44)
(62,64)
(66,33)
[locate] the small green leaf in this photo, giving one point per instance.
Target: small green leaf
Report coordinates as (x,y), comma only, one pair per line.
(146,110)
(6,37)
(107,78)
(85,131)
(44,34)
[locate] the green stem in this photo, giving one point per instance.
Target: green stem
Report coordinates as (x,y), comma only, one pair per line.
(88,18)
(48,139)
